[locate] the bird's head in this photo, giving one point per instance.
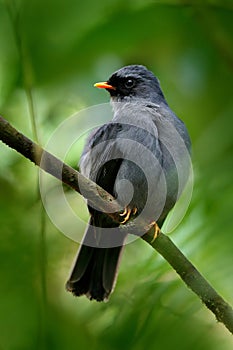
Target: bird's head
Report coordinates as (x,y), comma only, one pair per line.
(133,83)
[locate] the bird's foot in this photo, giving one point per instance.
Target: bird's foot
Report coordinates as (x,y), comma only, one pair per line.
(127,213)
(156,231)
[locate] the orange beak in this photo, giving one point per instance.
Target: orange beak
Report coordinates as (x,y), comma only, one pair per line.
(104,85)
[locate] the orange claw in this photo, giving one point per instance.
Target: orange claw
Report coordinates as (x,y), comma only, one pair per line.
(156,231)
(135,210)
(127,213)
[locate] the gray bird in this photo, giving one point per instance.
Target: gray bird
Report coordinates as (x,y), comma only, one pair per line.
(141,157)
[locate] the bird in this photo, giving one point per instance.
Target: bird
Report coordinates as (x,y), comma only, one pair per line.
(141,157)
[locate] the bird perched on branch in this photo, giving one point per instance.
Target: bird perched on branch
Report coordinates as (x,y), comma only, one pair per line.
(141,157)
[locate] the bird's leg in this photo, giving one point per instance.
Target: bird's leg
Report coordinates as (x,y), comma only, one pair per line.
(127,213)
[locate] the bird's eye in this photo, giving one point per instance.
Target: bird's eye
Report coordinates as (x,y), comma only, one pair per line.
(129,83)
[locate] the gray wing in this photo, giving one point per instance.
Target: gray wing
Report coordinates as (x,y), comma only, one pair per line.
(126,160)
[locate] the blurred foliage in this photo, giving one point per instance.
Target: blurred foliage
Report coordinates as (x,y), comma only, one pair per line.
(57,50)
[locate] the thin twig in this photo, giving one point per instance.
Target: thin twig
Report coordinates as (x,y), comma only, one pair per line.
(105,202)
(63,172)
(192,277)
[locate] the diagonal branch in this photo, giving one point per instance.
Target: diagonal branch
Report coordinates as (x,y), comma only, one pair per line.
(106,203)
(52,165)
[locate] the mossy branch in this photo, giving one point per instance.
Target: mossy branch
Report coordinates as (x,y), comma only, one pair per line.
(105,202)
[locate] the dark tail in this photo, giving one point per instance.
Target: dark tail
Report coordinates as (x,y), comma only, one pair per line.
(95,270)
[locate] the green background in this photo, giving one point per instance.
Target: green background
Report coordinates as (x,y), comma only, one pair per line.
(53,51)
